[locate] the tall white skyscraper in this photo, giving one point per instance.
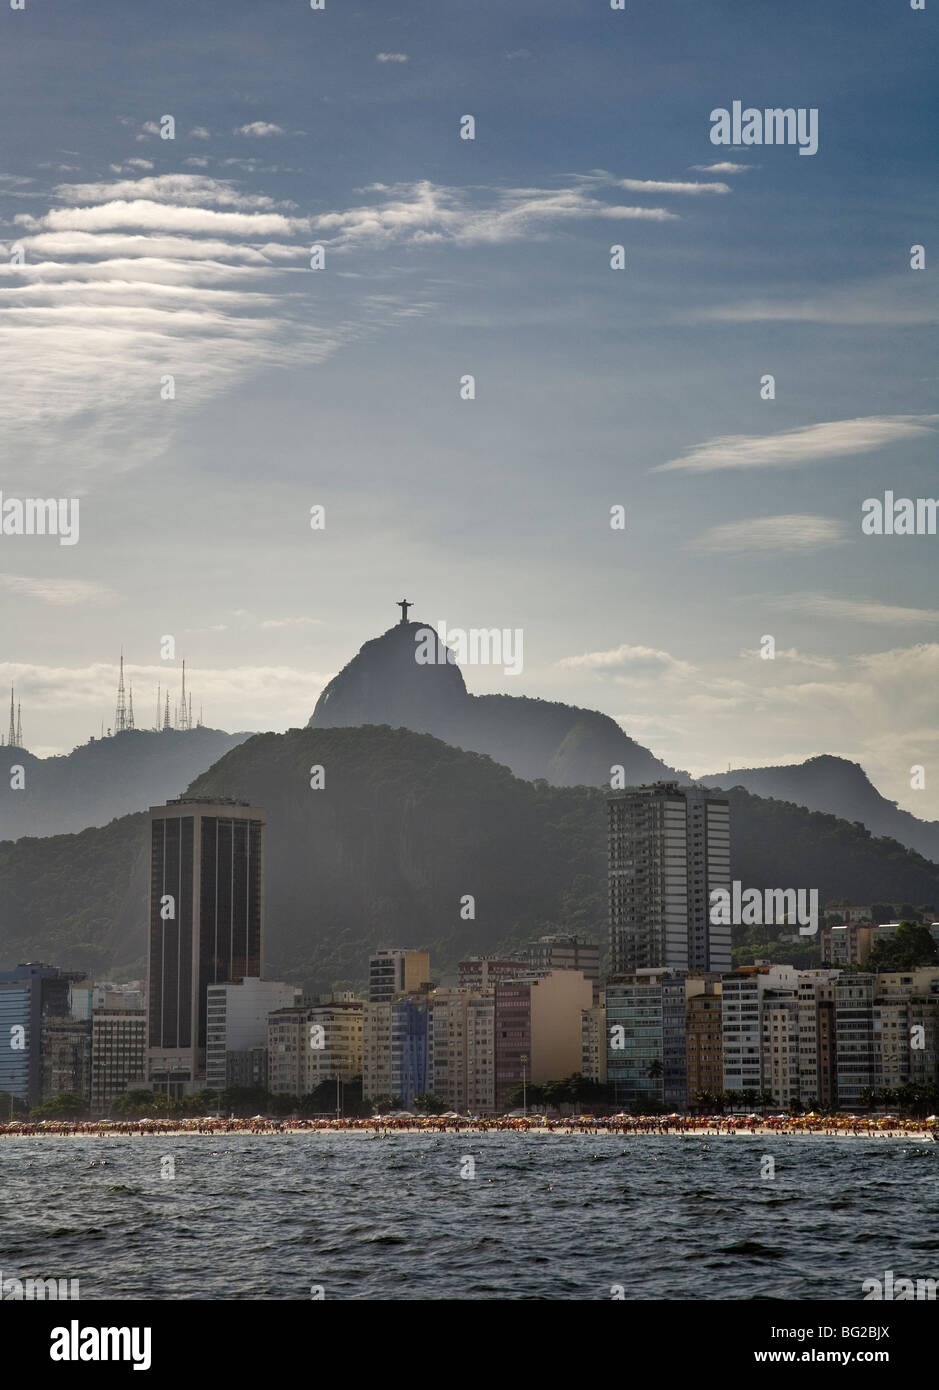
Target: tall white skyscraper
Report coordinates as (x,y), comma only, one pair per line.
(669,850)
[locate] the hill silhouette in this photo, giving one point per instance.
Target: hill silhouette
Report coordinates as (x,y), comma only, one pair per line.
(405,827)
(105,778)
(827,783)
(567,746)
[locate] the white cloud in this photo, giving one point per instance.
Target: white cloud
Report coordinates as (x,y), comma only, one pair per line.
(626,658)
(391,57)
(60,593)
(843,610)
(769,533)
(723,167)
(259,129)
(601,178)
(144,215)
(199,132)
(185,189)
(426,212)
(808,444)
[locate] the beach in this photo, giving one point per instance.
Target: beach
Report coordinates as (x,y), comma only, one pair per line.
(681,1127)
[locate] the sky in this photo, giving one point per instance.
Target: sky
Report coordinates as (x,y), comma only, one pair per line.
(170,359)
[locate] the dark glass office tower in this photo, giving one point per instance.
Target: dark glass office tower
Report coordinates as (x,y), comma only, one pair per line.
(206,923)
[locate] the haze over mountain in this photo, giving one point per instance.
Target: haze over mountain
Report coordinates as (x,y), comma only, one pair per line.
(840,787)
(385,852)
(385,684)
(105,778)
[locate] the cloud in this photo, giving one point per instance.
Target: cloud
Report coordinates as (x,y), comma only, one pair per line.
(391,57)
(901,299)
(145,215)
(426,212)
(199,132)
(843,610)
(60,593)
(808,444)
(184,189)
(259,129)
(723,167)
(178,275)
(602,179)
(769,533)
(626,658)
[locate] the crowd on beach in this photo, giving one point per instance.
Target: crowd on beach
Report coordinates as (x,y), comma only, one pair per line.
(859,1126)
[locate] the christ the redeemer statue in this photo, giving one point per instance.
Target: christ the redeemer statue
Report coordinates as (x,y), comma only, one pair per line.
(404,606)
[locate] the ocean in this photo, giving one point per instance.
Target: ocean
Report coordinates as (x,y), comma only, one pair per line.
(492,1216)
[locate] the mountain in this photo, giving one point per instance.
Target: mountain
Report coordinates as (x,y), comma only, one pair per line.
(386,852)
(567,746)
(841,788)
(105,778)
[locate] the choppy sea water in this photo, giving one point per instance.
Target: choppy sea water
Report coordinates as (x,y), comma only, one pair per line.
(545,1217)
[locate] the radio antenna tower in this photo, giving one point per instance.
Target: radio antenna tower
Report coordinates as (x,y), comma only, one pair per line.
(130,707)
(120,713)
(19,727)
(166,716)
(12,738)
(183,718)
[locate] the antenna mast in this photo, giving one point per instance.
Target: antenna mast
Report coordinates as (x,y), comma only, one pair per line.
(120,713)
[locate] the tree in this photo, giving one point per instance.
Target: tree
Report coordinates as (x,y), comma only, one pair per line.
(911,945)
(67,1105)
(429,1104)
(141,1102)
(383,1104)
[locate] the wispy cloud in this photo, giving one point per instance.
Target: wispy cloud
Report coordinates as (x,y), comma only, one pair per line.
(391,57)
(426,212)
(60,593)
(626,658)
(843,610)
(769,533)
(808,444)
(723,167)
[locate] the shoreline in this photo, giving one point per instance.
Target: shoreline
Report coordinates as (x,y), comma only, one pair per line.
(377,1130)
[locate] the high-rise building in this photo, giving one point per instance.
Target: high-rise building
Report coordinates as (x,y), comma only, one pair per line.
(66,1058)
(118,1054)
(461,1049)
(396,971)
(29,995)
(236,1022)
(312,1043)
(206,925)
(593,1041)
(704,1055)
(669,849)
(854,1037)
(778,1027)
(645,1024)
(539,1029)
